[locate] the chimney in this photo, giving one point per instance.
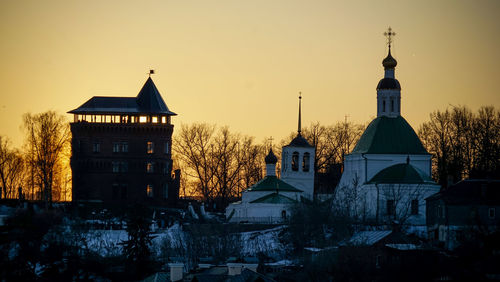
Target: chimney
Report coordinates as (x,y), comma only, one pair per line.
(176,271)
(234,268)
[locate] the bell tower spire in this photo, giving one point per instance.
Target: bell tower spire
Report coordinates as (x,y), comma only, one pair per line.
(389,89)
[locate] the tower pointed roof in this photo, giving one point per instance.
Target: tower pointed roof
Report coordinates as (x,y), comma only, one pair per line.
(148,101)
(299,141)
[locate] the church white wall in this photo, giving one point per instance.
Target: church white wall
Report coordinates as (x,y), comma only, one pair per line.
(362,167)
(368,202)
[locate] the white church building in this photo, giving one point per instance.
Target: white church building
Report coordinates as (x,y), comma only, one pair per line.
(270,200)
(387,175)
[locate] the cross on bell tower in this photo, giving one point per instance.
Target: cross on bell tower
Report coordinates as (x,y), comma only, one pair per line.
(389,34)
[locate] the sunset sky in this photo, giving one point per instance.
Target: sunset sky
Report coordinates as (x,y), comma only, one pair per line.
(242,63)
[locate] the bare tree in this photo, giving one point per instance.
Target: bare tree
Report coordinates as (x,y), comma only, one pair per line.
(218,163)
(11,169)
(192,146)
(47,140)
(462,143)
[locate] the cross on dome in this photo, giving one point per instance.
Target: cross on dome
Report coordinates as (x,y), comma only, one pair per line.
(389,34)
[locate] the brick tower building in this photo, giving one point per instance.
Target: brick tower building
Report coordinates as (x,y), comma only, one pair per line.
(121,150)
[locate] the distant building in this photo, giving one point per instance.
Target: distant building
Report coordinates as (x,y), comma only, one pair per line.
(267,201)
(270,200)
(121,150)
(463,211)
(387,175)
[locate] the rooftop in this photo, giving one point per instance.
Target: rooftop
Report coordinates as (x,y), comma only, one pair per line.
(148,101)
(401,174)
(389,135)
(274,198)
(272,183)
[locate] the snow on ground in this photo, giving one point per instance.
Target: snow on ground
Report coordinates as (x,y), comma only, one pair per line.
(107,242)
(266,241)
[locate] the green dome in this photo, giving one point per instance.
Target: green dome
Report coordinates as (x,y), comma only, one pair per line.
(389,135)
(401,174)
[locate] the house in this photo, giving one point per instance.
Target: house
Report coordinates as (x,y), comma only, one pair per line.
(463,211)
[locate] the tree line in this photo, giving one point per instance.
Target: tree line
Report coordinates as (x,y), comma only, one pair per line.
(464,144)
(40,169)
(218,164)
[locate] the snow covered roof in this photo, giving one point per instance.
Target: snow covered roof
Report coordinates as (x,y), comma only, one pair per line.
(402,247)
(368,237)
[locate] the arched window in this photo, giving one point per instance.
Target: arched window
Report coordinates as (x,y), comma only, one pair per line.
(392,105)
(295,161)
(383,106)
(305,162)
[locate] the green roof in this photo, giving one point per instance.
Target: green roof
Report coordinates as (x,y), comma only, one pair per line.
(389,135)
(272,183)
(401,173)
(274,198)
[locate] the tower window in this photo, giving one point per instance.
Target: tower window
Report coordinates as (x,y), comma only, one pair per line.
(150,147)
(116,147)
(120,147)
(149,190)
(305,162)
(392,105)
(150,167)
(125,147)
(96,148)
(115,167)
(295,161)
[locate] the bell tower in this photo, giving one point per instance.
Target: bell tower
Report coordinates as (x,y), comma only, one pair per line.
(389,89)
(297,161)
